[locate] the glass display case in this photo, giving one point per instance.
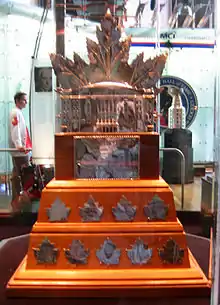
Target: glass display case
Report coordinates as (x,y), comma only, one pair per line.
(126,95)
(215,211)
(108,219)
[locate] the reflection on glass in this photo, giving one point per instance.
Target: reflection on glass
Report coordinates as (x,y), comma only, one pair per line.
(142,14)
(106,157)
(192,13)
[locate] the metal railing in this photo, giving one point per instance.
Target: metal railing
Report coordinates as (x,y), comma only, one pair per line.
(12,150)
(7,175)
(183,169)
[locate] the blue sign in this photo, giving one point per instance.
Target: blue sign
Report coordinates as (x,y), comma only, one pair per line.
(188,96)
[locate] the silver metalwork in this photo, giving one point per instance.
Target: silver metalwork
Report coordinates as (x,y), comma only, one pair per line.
(156,209)
(139,254)
(98,76)
(171,253)
(108,254)
(77,254)
(88,110)
(183,169)
(46,253)
(176,112)
(58,211)
(124,211)
(91,212)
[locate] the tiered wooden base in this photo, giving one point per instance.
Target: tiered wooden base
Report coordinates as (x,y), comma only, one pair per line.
(168,269)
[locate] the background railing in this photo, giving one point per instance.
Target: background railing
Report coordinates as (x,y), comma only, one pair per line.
(183,169)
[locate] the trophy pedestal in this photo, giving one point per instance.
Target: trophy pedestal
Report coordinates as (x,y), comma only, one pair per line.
(109,283)
(162,267)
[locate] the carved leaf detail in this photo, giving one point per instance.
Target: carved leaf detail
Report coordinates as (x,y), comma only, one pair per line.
(108,60)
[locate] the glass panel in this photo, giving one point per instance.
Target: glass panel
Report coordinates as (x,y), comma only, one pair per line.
(195,14)
(189,38)
(215,211)
(183,29)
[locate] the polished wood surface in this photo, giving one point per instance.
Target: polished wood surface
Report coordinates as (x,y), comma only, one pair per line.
(109,283)
(93,242)
(108,197)
(149,156)
(137,227)
(64,157)
(74,194)
(113,184)
(94,279)
(75,280)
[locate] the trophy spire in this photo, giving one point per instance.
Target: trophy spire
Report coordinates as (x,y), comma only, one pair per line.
(108,13)
(177,113)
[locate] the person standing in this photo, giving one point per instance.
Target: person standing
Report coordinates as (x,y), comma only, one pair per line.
(140,11)
(19,139)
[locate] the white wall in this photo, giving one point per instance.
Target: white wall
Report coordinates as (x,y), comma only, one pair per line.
(17,40)
(197,67)
(44,104)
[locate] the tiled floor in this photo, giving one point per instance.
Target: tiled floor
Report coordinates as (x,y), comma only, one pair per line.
(5,204)
(192,197)
(5,200)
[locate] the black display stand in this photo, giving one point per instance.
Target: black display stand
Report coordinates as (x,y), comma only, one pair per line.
(181,139)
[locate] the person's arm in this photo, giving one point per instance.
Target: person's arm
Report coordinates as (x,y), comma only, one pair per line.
(15,132)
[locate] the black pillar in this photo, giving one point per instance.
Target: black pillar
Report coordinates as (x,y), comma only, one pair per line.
(182,140)
(60,11)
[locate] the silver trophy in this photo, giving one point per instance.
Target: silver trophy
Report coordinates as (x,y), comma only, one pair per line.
(176,113)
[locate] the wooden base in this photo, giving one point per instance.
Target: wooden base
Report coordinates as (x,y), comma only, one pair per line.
(109,282)
(174,274)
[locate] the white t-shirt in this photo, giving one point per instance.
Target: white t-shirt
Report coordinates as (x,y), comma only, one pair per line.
(17,131)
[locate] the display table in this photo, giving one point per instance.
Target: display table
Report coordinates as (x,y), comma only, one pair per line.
(13,251)
(206,203)
(206,195)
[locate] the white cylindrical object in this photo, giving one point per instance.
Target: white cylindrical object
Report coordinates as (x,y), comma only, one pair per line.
(43,114)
